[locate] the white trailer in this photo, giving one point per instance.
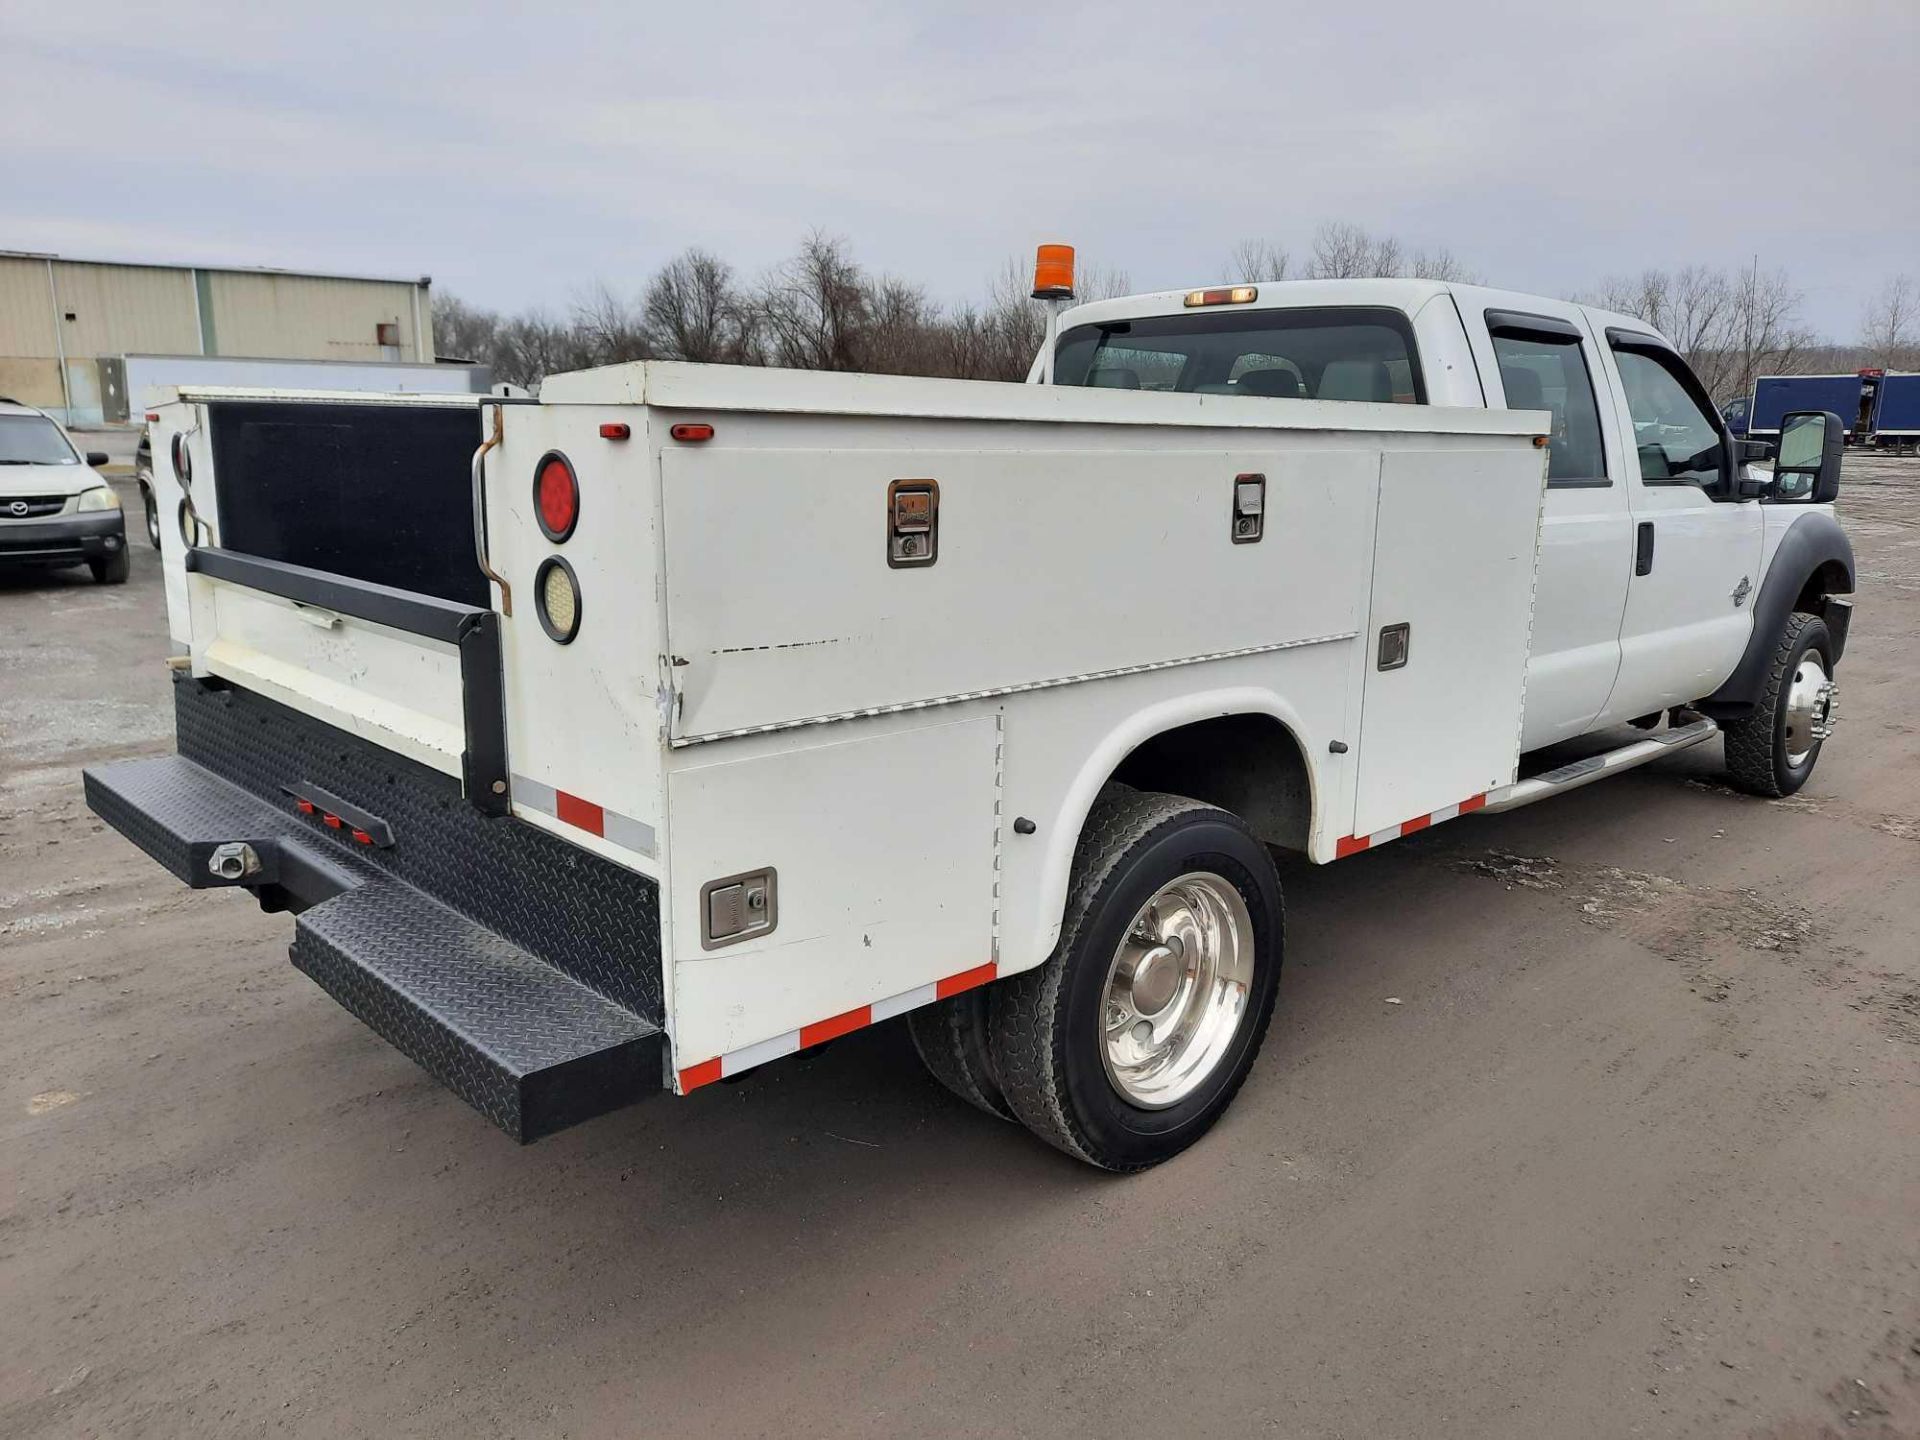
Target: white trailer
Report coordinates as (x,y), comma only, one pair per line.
(745,708)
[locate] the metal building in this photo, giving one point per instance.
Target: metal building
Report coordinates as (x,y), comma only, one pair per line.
(65,324)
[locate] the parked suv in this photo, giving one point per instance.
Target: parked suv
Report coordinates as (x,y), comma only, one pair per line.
(55,508)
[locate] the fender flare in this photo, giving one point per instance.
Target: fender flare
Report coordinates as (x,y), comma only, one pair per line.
(1133,731)
(1812,541)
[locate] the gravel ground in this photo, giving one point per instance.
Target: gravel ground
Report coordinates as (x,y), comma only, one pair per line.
(1636,1153)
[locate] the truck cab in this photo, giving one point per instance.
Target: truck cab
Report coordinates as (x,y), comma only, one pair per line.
(1656,535)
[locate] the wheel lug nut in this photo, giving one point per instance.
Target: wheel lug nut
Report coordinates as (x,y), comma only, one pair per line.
(1142,1032)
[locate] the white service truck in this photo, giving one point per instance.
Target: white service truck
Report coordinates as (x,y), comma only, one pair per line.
(689,717)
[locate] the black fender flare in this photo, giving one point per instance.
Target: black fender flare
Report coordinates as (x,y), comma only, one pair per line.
(1813,553)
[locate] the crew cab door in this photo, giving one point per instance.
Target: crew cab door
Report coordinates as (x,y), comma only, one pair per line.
(1695,552)
(1536,355)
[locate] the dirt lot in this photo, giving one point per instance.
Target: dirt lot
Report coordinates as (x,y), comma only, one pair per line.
(1636,1153)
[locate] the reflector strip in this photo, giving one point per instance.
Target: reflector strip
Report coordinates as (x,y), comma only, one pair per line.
(584,814)
(1354,844)
(692,1077)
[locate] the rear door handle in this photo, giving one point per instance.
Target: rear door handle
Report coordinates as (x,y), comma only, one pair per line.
(1643,549)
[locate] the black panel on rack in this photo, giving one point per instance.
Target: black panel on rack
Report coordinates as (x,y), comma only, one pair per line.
(374,492)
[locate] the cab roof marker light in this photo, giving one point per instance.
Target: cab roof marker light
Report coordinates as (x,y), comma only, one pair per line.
(1225,295)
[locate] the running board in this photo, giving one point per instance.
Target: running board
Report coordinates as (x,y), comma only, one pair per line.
(1596,767)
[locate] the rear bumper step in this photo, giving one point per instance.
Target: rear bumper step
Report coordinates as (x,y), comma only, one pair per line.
(527,1045)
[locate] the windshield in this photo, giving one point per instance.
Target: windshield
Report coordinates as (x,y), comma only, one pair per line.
(1328,354)
(33,440)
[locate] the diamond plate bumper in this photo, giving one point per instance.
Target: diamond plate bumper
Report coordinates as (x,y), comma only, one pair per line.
(537,1022)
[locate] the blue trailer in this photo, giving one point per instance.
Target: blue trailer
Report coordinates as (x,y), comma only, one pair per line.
(1777,395)
(1896,416)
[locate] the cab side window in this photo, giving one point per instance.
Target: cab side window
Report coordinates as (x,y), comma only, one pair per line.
(1542,371)
(1675,433)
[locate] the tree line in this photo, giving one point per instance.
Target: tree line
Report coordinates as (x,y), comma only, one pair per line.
(821,309)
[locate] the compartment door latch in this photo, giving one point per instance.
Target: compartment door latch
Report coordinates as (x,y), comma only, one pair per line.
(913,523)
(1249,508)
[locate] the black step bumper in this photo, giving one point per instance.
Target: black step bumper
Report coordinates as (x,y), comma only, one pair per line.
(519,971)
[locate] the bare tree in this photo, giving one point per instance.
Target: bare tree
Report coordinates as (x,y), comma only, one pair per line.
(1890,324)
(1345,251)
(462,331)
(693,311)
(1730,327)
(1256,260)
(814,307)
(609,327)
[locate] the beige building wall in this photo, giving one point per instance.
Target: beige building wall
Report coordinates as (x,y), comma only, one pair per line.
(126,310)
(308,317)
(26,308)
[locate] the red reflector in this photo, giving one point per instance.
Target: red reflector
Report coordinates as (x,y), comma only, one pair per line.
(691,432)
(153,415)
(615,430)
(363,837)
(333,821)
(305,807)
(584,813)
(557,494)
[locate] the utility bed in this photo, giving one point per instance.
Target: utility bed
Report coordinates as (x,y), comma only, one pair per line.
(793,723)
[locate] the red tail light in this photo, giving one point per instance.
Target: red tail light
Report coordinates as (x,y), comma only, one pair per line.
(556,496)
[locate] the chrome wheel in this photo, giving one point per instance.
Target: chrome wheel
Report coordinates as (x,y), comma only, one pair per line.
(1810,698)
(1176,990)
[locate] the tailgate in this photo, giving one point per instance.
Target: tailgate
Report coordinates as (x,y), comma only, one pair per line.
(411,673)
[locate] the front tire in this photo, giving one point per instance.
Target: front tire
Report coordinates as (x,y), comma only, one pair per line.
(112,570)
(1772,751)
(1131,1040)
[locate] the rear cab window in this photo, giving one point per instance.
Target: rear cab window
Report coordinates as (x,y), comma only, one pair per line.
(1331,353)
(1543,366)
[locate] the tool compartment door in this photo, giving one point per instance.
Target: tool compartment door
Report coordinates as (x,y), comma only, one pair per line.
(882,849)
(1455,546)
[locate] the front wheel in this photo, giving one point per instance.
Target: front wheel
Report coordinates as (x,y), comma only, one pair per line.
(1772,751)
(1133,1037)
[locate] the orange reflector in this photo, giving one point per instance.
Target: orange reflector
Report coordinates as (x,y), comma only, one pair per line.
(1234,295)
(691,432)
(1053,272)
(614,430)
(1540,442)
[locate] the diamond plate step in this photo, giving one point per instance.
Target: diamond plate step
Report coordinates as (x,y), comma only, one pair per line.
(531,1049)
(529,1046)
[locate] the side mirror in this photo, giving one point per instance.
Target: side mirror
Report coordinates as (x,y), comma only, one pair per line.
(98,457)
(1808,464)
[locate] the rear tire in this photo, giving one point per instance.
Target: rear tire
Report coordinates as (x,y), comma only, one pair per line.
(112,570)
(951,1036)
(1772,751)
(1131,1040)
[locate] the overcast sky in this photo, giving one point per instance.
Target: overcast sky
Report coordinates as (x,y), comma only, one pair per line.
(519,156)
